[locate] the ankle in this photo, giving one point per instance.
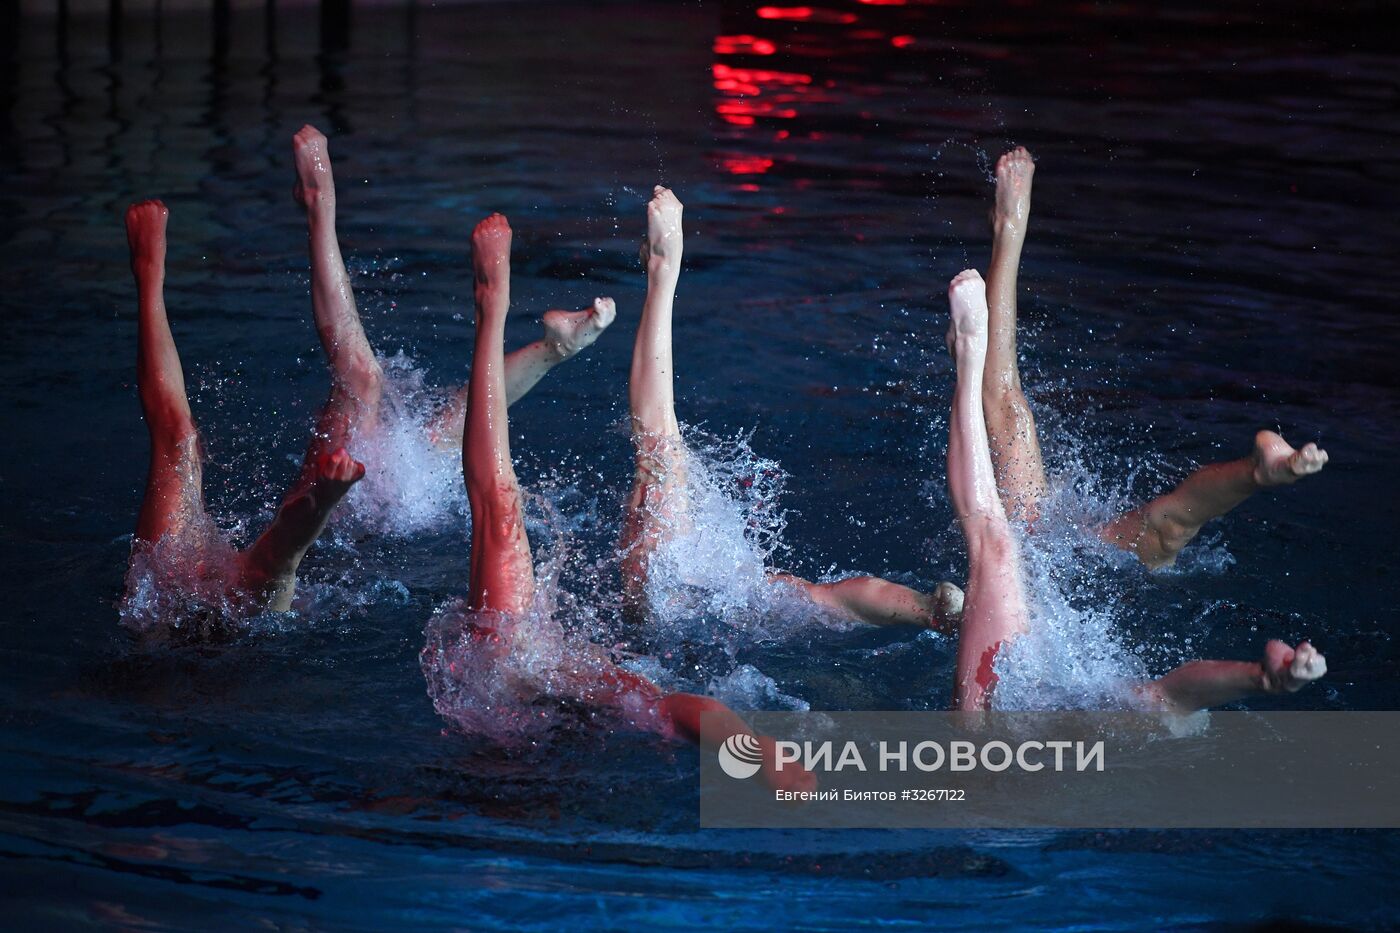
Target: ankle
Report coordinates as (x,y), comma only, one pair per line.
(552,352)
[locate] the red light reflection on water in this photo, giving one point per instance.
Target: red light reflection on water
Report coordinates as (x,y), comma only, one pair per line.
(743,45)
(746,165)
(805,14)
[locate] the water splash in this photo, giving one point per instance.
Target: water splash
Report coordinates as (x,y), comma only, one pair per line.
(721,527)
(517,679)
(412,484)
(183,585)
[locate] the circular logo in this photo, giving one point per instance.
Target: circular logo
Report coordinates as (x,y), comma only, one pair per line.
(740,756)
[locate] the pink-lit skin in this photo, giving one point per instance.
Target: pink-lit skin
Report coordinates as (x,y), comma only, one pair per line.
(994,607)
(264,576)
(502,581)
(566,334)
(994,470)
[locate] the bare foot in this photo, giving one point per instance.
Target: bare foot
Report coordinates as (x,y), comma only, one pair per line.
(145,235)
(568,332)
(967,297)
(664,242)
(947,600)
(336,472)
(491,253)
(339,470)
(315,185)
(1277,464)
(1287,670)
(1012,211)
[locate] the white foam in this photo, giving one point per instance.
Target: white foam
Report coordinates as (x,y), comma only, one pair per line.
(411,485)
(725,523)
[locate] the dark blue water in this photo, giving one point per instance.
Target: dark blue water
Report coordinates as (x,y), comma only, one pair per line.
(1212,252)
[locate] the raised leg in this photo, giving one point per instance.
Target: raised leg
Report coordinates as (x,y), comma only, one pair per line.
(566,334)
(876,601)
(1020,470)
(1159,530)
(502,570)
(356,377)
(328,471)
(1203,684)
(994,602)
(659,479)
(174,486)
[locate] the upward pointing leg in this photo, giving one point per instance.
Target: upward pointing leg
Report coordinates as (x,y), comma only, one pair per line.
(502,571)
(1020,470)
(328,471)
(994,604)
(355,373)
(660,464)
(174,493)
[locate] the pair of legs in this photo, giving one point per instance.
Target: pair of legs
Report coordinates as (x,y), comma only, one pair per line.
(502,567)
(994,608)
(174,496)
(1157,531)
(265,574)
(657,505)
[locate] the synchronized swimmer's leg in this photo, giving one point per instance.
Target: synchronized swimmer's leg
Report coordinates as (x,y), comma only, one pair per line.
(566,334)
(1157,531)
(356,377)
(1203,684)
(655,506)
(877,601)
(328,471)
(1020,470)
(502,576)
(994,605)
(502,569)
(174,486)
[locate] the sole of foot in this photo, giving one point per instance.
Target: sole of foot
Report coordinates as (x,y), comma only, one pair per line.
(1015,171)
(145,231)
(491,251)
(665,239)
(315,185)
(967,299)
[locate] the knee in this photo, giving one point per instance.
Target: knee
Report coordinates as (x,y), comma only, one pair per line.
(361,375)
(173,433)
(992,542)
